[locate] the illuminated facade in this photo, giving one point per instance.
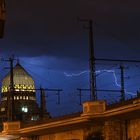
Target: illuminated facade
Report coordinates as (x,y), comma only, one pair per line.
(25,107)
(97,121)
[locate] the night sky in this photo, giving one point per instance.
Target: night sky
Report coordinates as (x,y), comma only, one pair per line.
(51,44)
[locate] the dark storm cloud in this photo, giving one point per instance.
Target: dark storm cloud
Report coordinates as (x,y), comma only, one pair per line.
(50,27)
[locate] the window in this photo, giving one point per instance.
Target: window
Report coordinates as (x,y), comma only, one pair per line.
(27,97)
(4,98)
(2,109)
(32,98)
(34,118)
(24,109)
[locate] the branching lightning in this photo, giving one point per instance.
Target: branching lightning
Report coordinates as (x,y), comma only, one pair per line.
(114,75)
(98,72)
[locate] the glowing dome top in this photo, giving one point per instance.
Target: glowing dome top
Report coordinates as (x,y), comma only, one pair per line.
(22,80)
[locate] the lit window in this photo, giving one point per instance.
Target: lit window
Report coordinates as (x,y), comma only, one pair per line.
(16,89)
(34,118)
(5,88)
(2,109)
(17,97)
(27,97)
(14,97)
(4,99)
(20,97)
(24,109)
(32,98)
(23,97)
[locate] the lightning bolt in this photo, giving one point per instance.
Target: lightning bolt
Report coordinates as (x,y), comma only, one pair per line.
(98,72)
(114,75)
(76,74)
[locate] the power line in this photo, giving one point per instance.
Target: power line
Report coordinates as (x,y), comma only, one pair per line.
(118,60)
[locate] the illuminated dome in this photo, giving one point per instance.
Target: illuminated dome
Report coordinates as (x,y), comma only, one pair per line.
(22,80)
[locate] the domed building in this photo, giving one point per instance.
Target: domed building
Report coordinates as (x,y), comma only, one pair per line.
(24,105)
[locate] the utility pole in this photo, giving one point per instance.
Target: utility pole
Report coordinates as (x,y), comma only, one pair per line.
(92,63)
(58,96)
(91,59)
(122,98)
(42,103)
(122,83)
(99,90)
(11,88)
(10,96)
(58,93)
(80,96)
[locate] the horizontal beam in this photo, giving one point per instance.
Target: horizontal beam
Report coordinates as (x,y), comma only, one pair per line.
(99,90)
(117,60)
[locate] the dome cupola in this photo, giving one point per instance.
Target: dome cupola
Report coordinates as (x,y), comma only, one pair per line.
(23,81)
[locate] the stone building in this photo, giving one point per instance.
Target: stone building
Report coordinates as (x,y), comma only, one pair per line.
(97,121)
(22,98)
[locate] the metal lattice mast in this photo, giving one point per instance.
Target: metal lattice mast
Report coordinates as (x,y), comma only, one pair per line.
(92,63)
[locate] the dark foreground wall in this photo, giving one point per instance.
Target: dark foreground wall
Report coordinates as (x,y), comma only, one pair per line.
(2,17)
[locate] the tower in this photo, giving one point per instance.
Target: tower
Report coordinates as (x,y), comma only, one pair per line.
(25,107)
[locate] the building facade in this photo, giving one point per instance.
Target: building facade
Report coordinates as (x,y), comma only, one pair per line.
(97,121)
(21,98)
